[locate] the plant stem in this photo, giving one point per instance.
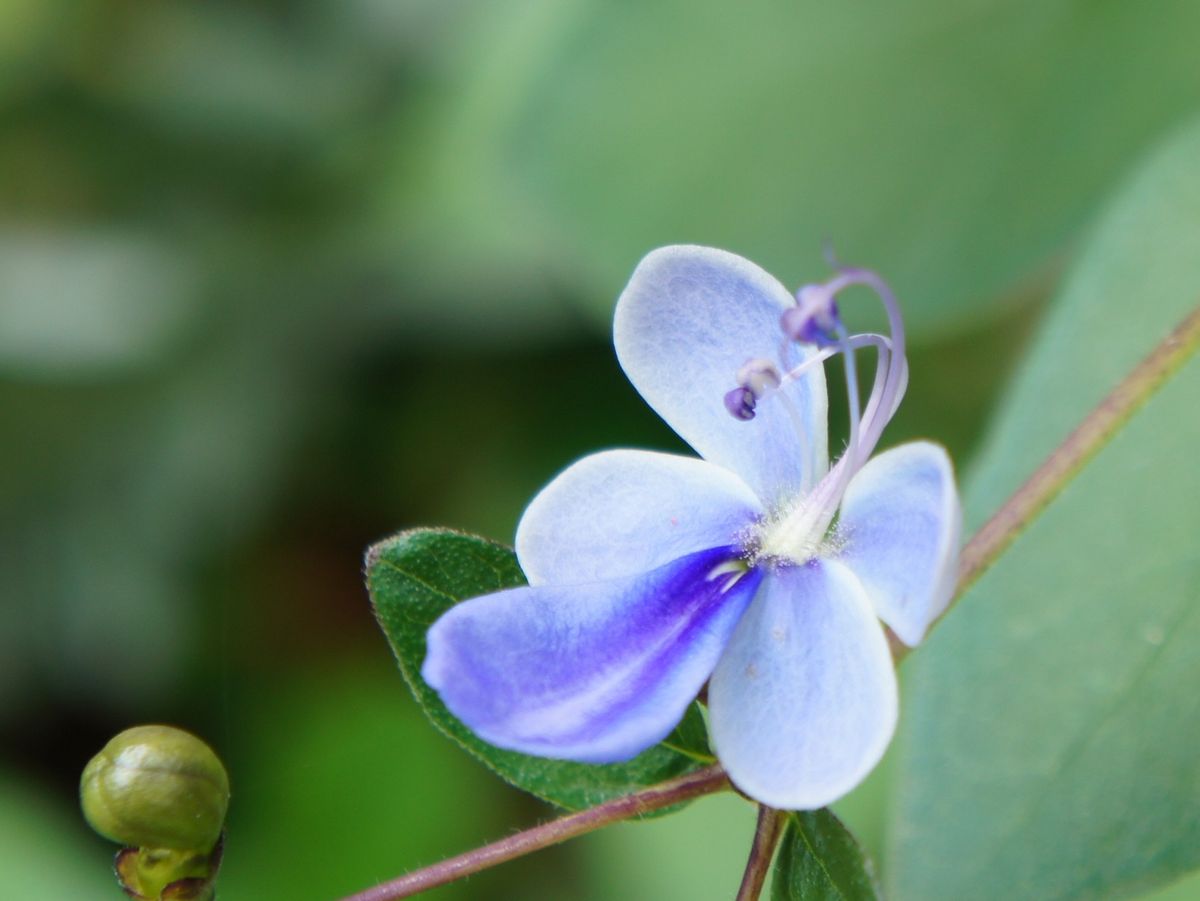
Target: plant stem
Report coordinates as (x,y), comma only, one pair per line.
(1096,430)
(693,785)
(766,837)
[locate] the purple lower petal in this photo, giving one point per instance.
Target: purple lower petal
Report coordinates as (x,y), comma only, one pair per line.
(594,672)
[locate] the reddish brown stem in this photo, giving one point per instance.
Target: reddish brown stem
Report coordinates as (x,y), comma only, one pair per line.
(766,838)
(693,785)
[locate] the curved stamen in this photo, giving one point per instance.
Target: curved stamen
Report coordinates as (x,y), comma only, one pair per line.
(888,392)
(758,379)
(827,496)
(797,531)
(882,365)
(850,455)
(856,342)
(851,382)
(848,345)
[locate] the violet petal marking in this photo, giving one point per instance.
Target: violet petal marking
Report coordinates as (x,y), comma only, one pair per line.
(593,672)
(689,319)
(622,512)
(900,529)
(804,702)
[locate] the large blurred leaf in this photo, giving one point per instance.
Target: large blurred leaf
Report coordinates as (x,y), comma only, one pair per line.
(1048,746)
(1187,889)
(954,146)
(414,578)
(819,860)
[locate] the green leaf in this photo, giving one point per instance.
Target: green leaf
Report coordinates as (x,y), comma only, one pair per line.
(690,737)
(1048,743)
(820,860)
(417,576)
(956,147)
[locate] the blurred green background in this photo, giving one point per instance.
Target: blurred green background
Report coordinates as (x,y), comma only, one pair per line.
(280,278)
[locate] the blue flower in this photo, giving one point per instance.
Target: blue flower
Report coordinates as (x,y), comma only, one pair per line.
(758,569)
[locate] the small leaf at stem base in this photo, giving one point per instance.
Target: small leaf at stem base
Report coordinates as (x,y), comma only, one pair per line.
(820,860)
(414,578)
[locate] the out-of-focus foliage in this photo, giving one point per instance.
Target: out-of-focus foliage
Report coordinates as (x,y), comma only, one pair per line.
(44,856)
(1048,743)
(957,146)
(278,279)
(320,755)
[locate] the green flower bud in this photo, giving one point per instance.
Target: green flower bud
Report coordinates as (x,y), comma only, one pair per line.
(156,787)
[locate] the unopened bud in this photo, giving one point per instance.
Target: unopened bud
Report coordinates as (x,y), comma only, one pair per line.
(156,787)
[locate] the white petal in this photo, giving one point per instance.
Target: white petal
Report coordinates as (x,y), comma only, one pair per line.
(901,523)
(686,323)
(622,512)
(803,701)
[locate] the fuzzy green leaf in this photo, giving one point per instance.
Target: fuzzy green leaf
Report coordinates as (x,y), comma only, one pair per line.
(414,578)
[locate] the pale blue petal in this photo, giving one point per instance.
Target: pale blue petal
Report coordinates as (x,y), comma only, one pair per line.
(803,702)
(621,512)
(686,323)
(901,525)
(594,672)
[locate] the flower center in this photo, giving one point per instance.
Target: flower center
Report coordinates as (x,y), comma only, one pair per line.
(799,529)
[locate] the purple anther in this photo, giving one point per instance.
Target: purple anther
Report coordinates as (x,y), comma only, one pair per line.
(814,319)
(740,403)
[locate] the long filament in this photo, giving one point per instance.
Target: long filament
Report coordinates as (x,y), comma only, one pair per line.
(846,346)
(886,394)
